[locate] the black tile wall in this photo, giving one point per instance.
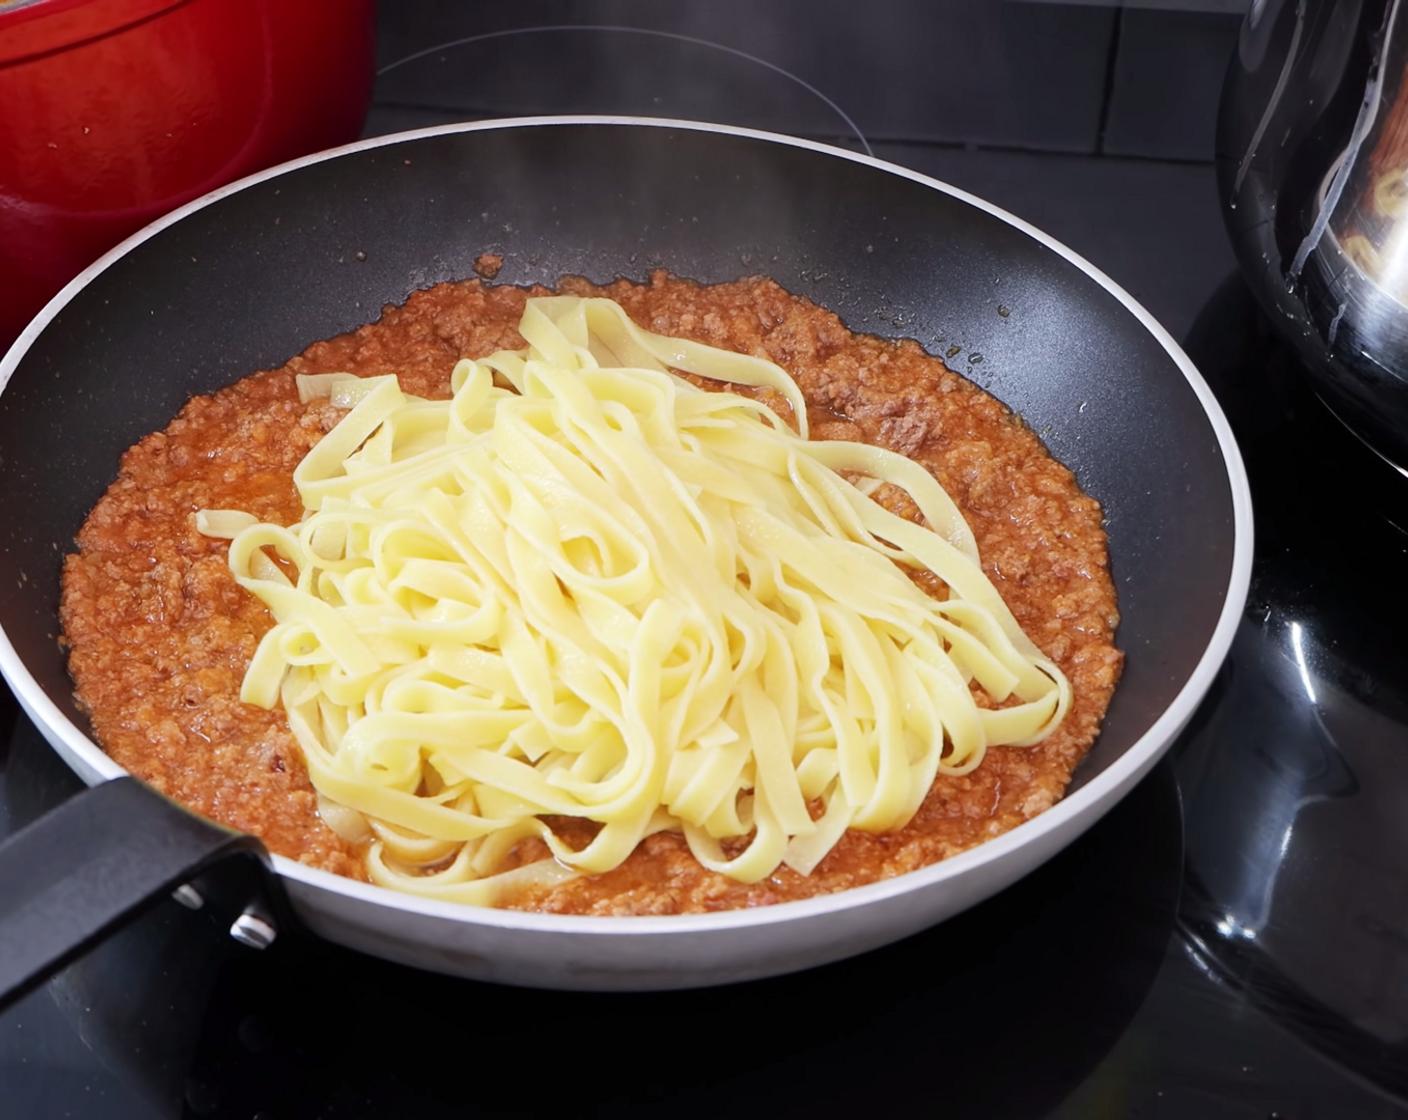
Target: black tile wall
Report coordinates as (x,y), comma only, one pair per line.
(1167,79)
(1004,98)
(951,71)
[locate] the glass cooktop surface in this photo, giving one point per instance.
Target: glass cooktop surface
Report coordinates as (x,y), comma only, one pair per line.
(1230,941)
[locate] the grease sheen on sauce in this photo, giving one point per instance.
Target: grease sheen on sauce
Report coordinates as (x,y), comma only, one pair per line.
(160,634)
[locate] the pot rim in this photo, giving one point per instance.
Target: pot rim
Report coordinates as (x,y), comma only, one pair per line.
(32,28)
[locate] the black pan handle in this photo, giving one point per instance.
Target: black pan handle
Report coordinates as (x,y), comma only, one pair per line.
(82,870)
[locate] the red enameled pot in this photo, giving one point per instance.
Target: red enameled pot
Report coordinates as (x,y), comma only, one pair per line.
(113,112)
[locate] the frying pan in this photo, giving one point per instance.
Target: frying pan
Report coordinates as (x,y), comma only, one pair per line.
(250,275)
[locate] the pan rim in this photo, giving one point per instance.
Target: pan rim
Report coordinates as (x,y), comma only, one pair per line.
(1078,811)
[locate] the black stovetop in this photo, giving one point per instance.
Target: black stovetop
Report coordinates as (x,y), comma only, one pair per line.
(1230,941)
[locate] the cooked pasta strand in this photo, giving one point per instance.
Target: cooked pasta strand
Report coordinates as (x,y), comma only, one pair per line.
(611,595)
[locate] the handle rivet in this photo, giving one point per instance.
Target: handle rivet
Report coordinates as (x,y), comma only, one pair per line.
(188,897)
(254,931)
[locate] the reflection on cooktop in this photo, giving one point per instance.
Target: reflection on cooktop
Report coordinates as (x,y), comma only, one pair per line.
(628,71)
(1296,775)
(1053,970)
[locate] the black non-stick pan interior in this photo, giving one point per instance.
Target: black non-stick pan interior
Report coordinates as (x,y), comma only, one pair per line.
(250,281)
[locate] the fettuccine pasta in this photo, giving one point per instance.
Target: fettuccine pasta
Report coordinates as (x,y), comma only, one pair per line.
(584,587)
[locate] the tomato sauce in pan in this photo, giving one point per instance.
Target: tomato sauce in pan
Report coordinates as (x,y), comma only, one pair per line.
(159,633)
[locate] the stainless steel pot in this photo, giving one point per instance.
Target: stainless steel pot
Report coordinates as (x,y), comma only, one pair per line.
(1312,152)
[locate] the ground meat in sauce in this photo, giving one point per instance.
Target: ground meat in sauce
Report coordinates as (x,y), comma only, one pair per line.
(487,265)
(160,634)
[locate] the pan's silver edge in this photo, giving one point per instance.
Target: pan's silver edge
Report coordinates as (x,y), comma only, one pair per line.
(1049,831)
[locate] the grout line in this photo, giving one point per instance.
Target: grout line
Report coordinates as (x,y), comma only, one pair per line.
(1214,7)
(452,114)
(970,147)
(1109,93)
(848,140)
(630,30)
